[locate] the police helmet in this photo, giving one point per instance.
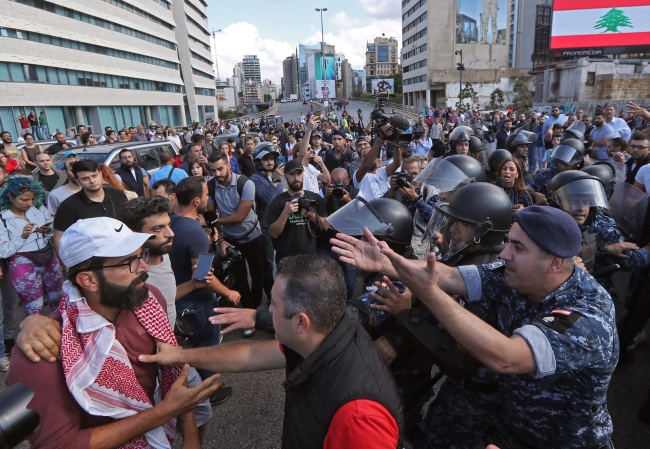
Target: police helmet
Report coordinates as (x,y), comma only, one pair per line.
(496,157)
(483,205)
(264,149)
(461,134)
(573,134)
(476,144)
(451,173)
(607,174)
(478,131)
(573,189)
(570,152)
(387,219)
(521,138)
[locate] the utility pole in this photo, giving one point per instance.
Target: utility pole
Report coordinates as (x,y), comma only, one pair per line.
(322,47)
(461,68)
(216,60)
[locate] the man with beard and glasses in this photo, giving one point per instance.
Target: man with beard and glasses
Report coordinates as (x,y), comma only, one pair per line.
(97,394)
(93,200)
(134,177)
(190,241)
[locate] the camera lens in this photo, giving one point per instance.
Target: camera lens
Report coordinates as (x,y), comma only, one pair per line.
(338,193)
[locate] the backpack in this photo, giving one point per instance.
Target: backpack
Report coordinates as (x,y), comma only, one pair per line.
(241,181)
(429,121)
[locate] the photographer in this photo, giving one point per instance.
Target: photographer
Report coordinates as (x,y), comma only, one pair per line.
(337,194)
(372,179)
(233,195)
(294,217)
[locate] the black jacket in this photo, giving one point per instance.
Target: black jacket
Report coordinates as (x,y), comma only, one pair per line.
(135,185)
(630,174)
(344,368)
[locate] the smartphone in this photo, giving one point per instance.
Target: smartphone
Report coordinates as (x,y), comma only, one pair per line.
(280,160)
(47,223)
(317,113)
(203,266)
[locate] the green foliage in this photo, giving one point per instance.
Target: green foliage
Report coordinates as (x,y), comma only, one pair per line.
(467,93)
(497,98)
(398,82)
(612,20)
(226,114)
(523,97)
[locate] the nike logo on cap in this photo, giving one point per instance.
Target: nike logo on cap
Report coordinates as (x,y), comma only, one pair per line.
(120,228)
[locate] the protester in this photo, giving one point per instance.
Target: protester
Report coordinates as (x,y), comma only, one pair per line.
(49,177)
(26,240)
(58,195)
(513,183)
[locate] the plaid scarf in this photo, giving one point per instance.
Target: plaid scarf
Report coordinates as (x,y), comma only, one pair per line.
(98,371)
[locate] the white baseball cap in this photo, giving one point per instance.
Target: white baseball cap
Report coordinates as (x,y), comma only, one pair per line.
(98,237)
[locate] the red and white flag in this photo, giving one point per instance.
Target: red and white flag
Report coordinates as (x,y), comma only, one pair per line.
(600,23)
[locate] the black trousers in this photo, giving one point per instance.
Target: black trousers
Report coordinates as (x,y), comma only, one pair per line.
(253,254)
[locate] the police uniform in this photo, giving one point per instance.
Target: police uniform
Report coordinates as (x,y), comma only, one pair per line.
(541,179)
(572,334)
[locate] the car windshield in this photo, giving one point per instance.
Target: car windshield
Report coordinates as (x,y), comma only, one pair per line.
(58,161)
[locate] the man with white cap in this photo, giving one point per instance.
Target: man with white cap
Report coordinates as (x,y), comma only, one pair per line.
(98,394)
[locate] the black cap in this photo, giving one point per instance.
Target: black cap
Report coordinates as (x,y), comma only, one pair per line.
(293,165)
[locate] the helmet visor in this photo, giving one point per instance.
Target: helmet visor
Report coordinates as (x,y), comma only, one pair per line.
(581,193)
(356,215)
(448,232)
(459,130)
(443,175)
(566,154)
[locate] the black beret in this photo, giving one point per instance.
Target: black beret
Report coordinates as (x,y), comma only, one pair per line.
(553,230)
(338,132)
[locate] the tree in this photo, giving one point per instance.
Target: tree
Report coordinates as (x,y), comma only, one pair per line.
(523,97)
(468,93)
(397,77)
(612,20)
(497,98)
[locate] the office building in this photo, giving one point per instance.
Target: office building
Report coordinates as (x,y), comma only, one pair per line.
(105,63)
(305,50)
(289,76)
(338,60)
(382,58)
(252,93)
(250,67)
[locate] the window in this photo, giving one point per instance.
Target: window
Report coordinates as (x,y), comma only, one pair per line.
(196,10)
(414,8)
(203,74)
(149,158)
(417,79)
(204,91)
(4,72)
(415,23)
(140,12)
(200,58)
(382,53)
(76,15)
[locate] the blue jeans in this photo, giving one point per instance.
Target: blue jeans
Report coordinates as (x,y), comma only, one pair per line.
(204,333)
(349,271)
(35,132)
(45,133)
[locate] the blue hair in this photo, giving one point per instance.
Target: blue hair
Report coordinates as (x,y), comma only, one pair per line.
(17,186)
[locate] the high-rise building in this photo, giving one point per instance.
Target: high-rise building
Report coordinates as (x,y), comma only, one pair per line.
(305,50)
(289,76)
(382,58)
(338,60)
(522,37)
(105,63)
(253,93)
(195,56)
(251,69)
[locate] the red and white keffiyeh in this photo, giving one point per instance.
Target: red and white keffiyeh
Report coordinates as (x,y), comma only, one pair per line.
(97,368)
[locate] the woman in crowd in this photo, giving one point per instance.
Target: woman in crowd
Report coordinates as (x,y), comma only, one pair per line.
(228,149)
(25,239)
(29,151)
(198,169)
(115,181)
(513,183)
(110,136)
(7,162)
(88,138)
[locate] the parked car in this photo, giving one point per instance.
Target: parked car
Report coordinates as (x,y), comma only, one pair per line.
(147,154)
(47,143)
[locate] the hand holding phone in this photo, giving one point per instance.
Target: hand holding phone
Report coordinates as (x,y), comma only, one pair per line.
(203,266)
(280,160)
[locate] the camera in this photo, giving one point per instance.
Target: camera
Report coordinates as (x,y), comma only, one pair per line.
(17,422)
(399,125)
(338,191)
(304,203)
(401,179)
(225,265)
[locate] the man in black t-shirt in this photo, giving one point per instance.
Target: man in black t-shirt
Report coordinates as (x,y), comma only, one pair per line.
(93,200)
(51,178)
(294,230)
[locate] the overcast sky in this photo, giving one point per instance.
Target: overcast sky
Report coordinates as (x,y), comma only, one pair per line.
(271,29)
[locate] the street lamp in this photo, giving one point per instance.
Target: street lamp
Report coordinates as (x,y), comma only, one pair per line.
(460,67)
(322,49)
(216,60)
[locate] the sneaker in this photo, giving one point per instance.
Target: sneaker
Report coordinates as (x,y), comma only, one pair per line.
(640,338)
(221,395)
(9,345)
(4,364)
(248,332)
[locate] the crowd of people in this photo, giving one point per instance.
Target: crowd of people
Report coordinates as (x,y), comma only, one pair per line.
(483,244)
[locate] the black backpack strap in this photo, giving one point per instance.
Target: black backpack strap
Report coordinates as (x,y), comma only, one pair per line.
(241,182)
(169,175)
(211,188)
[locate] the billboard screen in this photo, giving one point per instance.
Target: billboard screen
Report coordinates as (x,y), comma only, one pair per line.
(383,85)
(600,23)
(322,91)
(482,22)
(315,67)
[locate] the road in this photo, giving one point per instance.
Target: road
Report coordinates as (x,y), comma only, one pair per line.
(291,111)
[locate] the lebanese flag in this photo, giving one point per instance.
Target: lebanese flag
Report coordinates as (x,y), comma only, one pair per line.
(604,23)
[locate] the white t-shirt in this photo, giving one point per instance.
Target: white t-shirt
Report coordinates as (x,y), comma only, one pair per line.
(373,185)
(643,177)
(175,139)
(161,276)
(621,128)
(310,178)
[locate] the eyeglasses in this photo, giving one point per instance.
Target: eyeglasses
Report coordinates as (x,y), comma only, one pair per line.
(133,263)
(637,147)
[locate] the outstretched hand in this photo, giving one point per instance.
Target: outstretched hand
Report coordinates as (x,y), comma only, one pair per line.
(167,355)
(392,300)
(236,317)
(365,255)
(422,280)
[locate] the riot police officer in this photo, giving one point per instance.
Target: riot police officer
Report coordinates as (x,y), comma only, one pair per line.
(607,174)
(568,155)
(583,197)
(459,140)
(517,144)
